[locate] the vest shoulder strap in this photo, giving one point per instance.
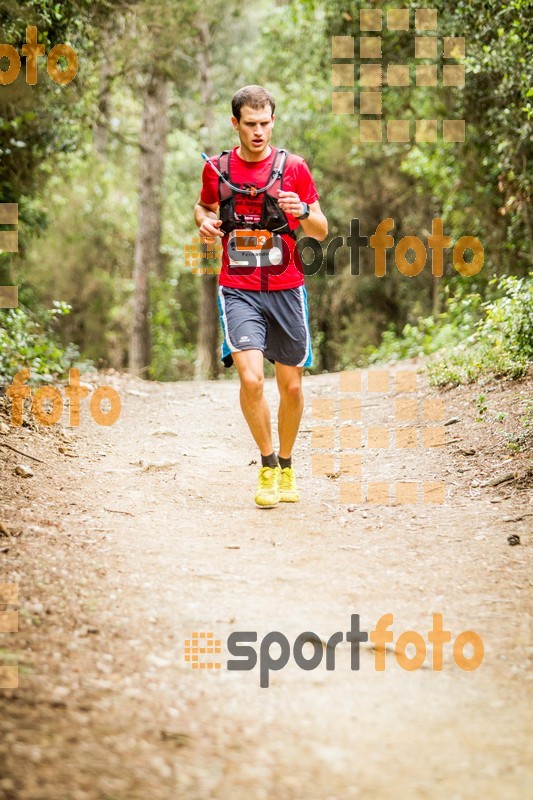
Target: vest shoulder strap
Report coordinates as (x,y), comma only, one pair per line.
(223,161)
(224,190)
(278,170)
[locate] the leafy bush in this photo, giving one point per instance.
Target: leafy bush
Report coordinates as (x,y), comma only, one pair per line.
(472,338)
(502,343)
(27,339)
(429,335)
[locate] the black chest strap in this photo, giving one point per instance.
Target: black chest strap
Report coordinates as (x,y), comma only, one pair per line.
(272,216)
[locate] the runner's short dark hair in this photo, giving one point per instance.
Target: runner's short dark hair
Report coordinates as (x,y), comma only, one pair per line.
(254,96)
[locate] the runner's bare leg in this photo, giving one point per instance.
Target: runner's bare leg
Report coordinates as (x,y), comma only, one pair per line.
(291,406)
(255,408)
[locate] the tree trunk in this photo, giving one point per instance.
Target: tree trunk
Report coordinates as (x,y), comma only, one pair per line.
(206,365)
(436,300)
(101,126)
(526,206)
(153,139)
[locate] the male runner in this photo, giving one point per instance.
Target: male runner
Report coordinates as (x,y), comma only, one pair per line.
(262,298)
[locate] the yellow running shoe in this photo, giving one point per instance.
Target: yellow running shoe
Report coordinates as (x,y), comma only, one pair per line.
(288,488)
(267,494)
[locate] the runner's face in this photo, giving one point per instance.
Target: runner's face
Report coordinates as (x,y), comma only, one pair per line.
(254,128)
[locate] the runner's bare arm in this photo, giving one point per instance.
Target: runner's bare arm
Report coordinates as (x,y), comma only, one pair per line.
(316,224)
(206,217)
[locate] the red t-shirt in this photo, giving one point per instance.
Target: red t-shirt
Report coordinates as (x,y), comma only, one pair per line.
(288,273)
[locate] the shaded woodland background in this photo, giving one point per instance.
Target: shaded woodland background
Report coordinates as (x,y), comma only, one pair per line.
(106,172)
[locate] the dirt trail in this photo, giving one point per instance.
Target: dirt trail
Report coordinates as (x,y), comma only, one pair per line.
(118,564)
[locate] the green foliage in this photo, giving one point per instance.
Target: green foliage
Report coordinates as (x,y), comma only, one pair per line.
(523,439)
(480,188)
(482,407)
(93,234)
(502,342)
(173,327)
(39,126)
(509,321)
(29,340)
(428,335)
(39,123)
(472,338)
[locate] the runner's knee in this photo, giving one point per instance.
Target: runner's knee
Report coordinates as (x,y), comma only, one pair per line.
(252,383)
(291,391)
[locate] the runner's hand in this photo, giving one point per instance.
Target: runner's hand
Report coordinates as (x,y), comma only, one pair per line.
(290,203)
(208,230)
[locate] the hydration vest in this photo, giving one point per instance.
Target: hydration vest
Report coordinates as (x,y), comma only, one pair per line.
(273,217)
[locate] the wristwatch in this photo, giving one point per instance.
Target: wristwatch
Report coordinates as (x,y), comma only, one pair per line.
(306,211)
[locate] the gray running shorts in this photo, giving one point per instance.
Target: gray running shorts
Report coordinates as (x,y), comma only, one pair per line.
(277,323)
